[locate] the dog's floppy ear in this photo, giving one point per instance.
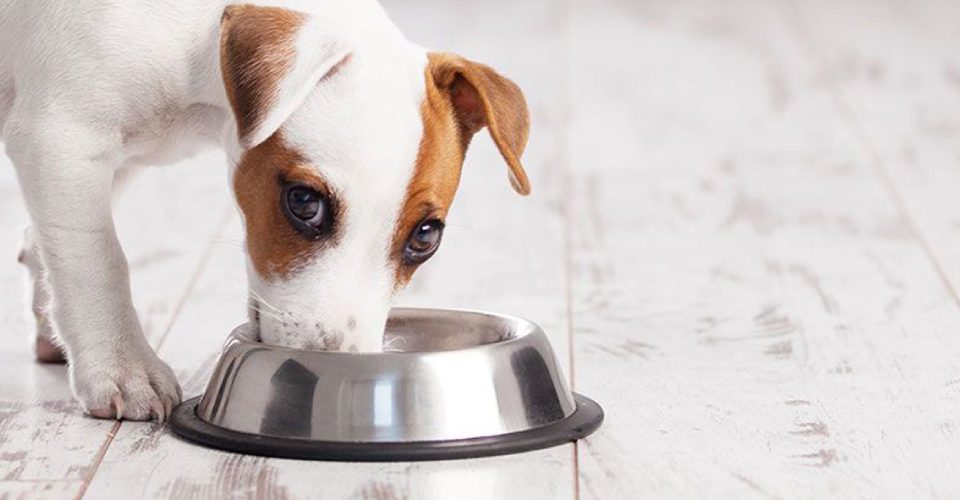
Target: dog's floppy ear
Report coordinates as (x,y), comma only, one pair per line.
(483,98)
(271,58)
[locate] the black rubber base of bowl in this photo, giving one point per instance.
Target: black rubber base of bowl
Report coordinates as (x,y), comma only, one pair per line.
(582,422)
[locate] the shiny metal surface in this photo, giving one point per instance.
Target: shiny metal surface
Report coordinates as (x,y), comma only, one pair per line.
(448,375)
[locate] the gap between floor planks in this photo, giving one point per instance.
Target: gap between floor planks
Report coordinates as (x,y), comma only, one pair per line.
(222,223)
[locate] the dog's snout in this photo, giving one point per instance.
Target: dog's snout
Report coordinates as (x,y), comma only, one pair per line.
(328,340)
(294,330)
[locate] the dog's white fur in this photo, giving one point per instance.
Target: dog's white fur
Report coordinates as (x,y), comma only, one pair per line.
(89,88)
(361,131)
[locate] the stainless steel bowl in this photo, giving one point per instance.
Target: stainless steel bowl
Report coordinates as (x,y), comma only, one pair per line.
(450,384)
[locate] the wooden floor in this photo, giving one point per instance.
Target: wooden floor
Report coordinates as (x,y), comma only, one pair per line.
(744,238)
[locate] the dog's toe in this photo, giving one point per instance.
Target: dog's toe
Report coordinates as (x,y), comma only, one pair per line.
(143,389)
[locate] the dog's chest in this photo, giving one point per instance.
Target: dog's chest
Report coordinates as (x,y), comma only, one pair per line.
(173,132)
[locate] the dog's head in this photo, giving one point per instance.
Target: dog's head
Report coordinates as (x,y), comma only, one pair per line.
(348,152)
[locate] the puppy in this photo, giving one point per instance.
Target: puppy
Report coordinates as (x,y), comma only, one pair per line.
(345,143)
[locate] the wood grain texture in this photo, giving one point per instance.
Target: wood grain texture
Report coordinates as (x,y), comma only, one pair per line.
(751,303)
(47,447)
(40,455)
(743,217)
(900,93)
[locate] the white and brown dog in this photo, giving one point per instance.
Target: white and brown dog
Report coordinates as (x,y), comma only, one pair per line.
(345,143)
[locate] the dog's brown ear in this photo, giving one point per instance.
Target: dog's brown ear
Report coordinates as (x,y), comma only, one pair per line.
(271,58)
(481,97)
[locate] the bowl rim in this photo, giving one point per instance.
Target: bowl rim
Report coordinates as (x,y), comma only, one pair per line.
(525,329)
(585,420)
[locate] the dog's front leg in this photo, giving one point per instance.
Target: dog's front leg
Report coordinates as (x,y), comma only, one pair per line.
(66,174)
(46,348)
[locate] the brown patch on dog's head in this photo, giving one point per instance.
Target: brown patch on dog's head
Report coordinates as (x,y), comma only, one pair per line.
(274,246)
(461,98)
(256,52)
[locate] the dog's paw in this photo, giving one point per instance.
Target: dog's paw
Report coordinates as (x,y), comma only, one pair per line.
(131,387)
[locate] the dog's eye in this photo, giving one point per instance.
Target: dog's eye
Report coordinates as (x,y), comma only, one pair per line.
(306,209)
(423,241)
(305,203)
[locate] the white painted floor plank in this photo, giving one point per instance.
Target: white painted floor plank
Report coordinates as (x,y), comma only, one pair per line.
(756,203)
(896,75)
(750,303)
(45,445)
(48,447)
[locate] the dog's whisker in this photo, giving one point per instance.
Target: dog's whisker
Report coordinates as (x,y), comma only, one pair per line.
(269,314)
(227,287)
(269,308)
(259,298)
(229,294)
(390,343)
